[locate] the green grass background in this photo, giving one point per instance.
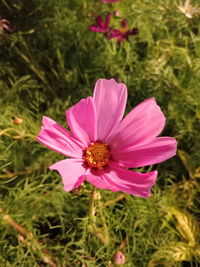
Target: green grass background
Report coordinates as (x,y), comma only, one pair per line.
(50,62)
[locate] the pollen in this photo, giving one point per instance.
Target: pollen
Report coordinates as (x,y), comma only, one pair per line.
(97,155)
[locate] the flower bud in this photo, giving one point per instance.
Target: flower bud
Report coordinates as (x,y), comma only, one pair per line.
(78,190)
(17,120)
(119,258)
(117,13)
(97,196)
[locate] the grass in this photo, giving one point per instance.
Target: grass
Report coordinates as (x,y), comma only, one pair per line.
(51,61)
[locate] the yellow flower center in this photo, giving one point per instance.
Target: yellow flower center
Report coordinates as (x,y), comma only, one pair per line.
(97,155)
(123,30)
(187,9)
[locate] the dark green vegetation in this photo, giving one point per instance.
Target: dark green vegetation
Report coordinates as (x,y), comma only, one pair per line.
(50,62)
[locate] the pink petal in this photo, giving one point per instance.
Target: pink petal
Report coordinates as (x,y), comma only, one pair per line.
(121,38)
(140,126)
(100,22)
(134,31)
(82,121)
(98,29)
(114,34)
(110,100)
(117,34)
(72,172)
(116,179)
(107,20)
(96,177)
(134,183)
(158,150)
(59,139)
(123,23)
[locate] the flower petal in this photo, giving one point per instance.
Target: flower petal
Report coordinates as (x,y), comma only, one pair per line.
(94,28)
(96,177)
(134,31)
(100,22)
(72,172)
(134,183)
(123,23)
(115,33)
(82,121)
(107,19)
(158,150)
(110,100)
(59,139)
(140,126)
(116,179)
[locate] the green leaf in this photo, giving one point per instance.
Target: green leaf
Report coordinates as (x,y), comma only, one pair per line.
(174,252)
(186,224)
(186,160)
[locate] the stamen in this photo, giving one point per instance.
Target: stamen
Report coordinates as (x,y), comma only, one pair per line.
(97,155)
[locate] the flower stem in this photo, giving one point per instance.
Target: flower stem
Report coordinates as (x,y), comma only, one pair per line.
(105,227)
(92,206)
(93,228)
(45,255)
(113,201)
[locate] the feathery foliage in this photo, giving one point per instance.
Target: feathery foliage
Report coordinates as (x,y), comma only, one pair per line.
(47,64)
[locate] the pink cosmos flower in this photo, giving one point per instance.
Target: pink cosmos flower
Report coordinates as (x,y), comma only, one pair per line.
(101,26)
(102,145)
(5,25)
(123,33)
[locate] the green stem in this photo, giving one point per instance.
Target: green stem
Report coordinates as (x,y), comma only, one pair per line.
(94,229)
(92,207)
(105,227)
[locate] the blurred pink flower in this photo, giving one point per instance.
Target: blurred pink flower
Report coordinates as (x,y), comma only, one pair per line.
(102,145)
(122,33)
(5,25)
(101,26)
